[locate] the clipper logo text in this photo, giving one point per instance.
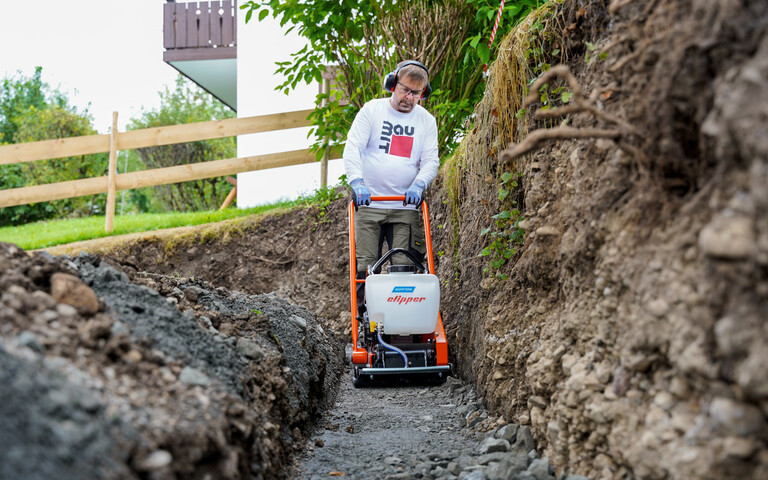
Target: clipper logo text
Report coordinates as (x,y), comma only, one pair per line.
(401,300)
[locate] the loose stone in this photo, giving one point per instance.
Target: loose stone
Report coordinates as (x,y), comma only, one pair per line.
(491,445)
(192,376)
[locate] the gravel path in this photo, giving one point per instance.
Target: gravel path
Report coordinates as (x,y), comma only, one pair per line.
(409,432)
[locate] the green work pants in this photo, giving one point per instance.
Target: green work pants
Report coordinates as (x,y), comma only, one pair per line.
(400,228)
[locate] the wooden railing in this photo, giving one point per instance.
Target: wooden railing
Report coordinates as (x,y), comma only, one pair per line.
(199,25)
(149,137)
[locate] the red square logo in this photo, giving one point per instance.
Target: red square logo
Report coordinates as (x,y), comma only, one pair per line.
(401,146)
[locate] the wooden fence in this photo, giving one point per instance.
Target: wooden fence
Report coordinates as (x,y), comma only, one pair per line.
(150,137)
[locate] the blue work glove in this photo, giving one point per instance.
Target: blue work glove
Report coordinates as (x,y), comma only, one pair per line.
(360,193)
(414,193)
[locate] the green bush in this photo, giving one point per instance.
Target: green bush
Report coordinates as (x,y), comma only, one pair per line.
(186,103)
(30,110)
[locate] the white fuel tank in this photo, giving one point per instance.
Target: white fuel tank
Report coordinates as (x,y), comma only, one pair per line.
(405,303)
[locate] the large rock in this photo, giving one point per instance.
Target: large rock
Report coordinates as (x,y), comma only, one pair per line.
(728,237)
(508,432)
(508,468)
(525,442)
(491,445)
(752,374)
(539,468)
(72,291)
(736,418)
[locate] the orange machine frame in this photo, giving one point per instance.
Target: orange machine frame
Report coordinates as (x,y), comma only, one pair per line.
(359,354)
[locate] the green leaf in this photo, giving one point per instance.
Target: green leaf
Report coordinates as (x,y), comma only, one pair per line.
(503,192)
(248,16)
(566,97)
(263,14)
(484,53)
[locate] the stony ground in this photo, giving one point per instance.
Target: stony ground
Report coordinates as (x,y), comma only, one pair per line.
(411,432)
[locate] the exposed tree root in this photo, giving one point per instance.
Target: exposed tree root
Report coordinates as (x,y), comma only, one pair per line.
(560,133)
(581,104)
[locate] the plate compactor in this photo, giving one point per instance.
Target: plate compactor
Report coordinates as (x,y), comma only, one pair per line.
(399,334)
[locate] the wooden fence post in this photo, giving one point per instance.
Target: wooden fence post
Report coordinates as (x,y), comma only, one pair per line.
(112,176)
(231,195)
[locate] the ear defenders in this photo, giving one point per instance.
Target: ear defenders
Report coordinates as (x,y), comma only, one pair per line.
(390,80)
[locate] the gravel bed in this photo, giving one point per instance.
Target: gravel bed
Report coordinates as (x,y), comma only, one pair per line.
(413,432)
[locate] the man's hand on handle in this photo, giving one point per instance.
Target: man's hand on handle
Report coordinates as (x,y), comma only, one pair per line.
(414,193)
(360,193)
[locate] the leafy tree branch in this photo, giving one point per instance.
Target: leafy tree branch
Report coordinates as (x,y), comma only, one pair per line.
(359,43)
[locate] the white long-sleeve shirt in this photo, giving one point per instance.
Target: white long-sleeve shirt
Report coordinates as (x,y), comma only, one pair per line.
(389,149)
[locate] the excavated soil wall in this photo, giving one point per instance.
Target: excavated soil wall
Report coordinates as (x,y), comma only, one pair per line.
(631,331)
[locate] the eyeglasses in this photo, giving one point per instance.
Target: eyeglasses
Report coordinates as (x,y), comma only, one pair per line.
(408,91)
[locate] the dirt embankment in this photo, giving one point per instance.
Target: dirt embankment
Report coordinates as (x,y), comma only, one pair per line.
(630,333)
(159,377)
(301,256)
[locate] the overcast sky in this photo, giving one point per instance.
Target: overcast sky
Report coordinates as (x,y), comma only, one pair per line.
(108,53)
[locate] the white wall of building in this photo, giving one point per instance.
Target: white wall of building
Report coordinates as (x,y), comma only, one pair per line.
(259,46)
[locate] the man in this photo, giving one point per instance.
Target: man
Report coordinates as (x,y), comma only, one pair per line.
(392,150)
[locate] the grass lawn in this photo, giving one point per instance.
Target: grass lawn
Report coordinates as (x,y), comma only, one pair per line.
(56,232)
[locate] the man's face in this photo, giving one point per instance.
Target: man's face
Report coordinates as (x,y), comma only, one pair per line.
(406,94)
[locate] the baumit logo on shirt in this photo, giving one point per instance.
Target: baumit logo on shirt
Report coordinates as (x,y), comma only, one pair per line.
(397,139)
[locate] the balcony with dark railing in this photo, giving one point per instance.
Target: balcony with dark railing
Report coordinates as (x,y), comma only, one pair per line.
(200,40)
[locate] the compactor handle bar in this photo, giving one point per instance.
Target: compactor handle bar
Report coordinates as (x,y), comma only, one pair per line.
(376,268)
(389,198)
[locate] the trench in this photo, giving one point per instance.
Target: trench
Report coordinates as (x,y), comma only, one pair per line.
(410,432)
(173,377)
